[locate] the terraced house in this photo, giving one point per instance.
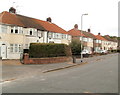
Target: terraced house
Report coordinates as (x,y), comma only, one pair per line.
(112,43)
(18,31)
(93,42)
(87,37)
(103,42)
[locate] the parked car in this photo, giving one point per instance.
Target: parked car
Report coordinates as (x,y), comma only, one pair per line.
(102,51)
(86,52)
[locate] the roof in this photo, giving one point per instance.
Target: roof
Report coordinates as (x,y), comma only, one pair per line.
(51,26)
(75,32)
(99,37)
(28,22)
(109,39)
(89,34)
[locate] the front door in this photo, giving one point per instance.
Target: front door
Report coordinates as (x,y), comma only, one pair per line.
(3,51)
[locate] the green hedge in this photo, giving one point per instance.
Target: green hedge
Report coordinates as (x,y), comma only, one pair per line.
(42,50)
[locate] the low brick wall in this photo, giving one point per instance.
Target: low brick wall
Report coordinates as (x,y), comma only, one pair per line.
(28,60)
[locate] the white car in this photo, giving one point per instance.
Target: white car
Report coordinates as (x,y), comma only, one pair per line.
(86,52)
(102,51)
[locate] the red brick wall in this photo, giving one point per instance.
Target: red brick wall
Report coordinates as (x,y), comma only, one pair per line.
(28,60)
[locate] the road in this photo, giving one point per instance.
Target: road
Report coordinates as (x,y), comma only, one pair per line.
(100,75)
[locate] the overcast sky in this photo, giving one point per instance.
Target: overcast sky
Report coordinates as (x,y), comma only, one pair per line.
(102,14)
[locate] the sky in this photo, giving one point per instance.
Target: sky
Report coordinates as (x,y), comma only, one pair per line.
(102,14)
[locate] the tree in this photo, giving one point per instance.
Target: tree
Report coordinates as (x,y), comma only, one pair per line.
(75,47)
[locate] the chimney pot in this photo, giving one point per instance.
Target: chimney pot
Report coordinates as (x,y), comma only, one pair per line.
(76,26)
(89,30)
(98,33)
(12,10)
(49,19)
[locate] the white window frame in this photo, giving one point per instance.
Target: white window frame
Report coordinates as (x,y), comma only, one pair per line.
(3,28)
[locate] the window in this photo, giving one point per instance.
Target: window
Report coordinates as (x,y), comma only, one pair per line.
(11,48)
(20,48)
(100,41)
(16,48)
(35,33)
(4,29)
(69,37)
(55,35)
(63,36)
(20,30)
(90,40)
(85,39)
(39,34)
(16,31)
(96,41)
(50,35)
(30,32)
(11,30)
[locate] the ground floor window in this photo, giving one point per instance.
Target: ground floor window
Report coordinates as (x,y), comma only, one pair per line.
(16,48)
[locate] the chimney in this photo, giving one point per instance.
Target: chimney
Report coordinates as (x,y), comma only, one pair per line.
(98,33)
(89,30)
(12,10)
(49,19)
(76,26)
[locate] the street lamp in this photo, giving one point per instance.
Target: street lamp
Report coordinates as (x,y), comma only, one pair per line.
(81,35)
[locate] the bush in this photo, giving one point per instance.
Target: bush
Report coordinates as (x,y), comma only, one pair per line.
(75,47)
(42,50)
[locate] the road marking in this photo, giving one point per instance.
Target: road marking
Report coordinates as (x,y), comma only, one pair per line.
(7,81)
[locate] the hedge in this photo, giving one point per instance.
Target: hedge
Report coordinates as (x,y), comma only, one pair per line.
(42,50)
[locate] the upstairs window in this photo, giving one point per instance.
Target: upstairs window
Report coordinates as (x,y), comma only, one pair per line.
(30,32)
(84,39)
(11,30)
(63,36)
(4,29)
(16,31)
(50,35)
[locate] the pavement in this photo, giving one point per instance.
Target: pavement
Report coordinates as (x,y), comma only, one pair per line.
(13,69)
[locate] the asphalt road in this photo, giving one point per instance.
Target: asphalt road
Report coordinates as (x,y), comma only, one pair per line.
(100,75)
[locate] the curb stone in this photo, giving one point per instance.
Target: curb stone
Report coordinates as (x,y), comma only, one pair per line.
(56,69)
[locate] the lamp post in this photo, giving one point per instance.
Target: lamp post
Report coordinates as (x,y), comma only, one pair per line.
(81,35)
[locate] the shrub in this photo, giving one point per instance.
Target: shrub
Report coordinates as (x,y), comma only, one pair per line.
(41,50)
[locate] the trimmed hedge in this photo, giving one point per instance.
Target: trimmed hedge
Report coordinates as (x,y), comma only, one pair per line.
(42,50)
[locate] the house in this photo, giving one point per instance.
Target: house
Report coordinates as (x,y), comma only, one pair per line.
(102,41)
(91,41)
(78,35)
(18,31)
(112,43)
(87,37)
